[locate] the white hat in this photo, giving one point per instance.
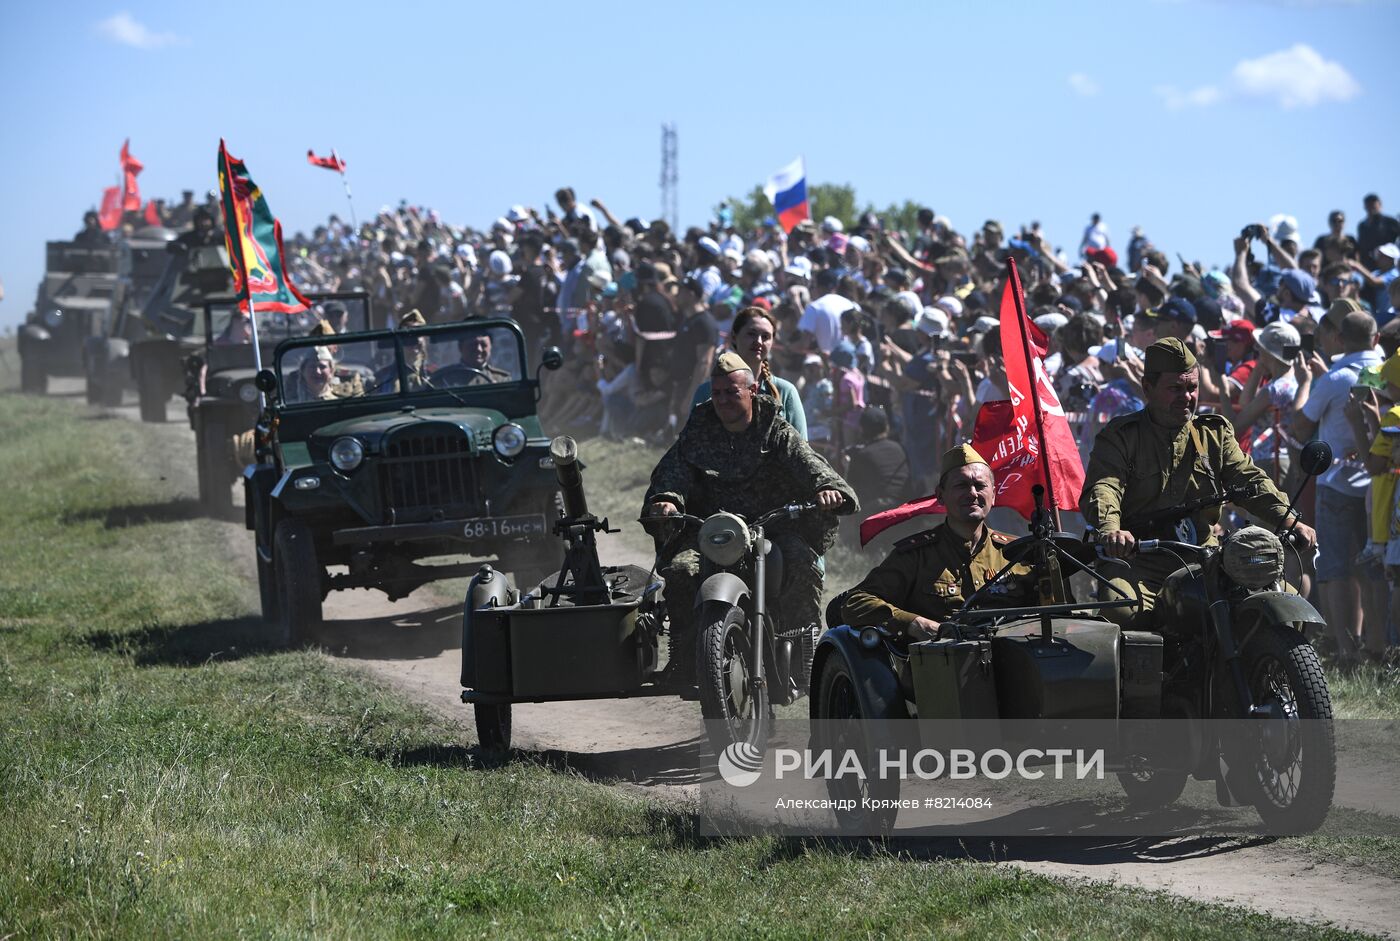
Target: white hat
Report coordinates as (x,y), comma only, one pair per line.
(984,324)
(951,304)
(812,359)
(734,255)
(1285,228)
(500,225)
(1274,337)
(860,243)
(932,322)
(709,245)
(517,213)
(1390,250)
(831,224)
(500,262)
(800,267)
(1051,322)
(732,242)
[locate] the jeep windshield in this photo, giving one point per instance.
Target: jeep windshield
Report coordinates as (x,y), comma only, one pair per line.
(417,362)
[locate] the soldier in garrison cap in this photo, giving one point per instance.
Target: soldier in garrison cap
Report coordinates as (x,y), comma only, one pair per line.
(1167,456)
(738,454)
(929,575)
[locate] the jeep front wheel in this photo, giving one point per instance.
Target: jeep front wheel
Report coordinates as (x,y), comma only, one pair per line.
(31,376)
(153,396)
(213,463)
(298,582)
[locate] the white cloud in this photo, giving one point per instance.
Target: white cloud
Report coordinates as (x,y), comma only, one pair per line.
(123,28)
(1083,85)
(1295,77)
(1291,78)
(1175,99)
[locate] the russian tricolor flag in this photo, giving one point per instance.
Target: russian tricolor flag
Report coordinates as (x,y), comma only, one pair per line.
(787,191)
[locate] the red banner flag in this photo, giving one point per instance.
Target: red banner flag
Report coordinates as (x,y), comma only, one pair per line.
(110,215)
(333,162)
(153,214)
(1038,417)
(131,194)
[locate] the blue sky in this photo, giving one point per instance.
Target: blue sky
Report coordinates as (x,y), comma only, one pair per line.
(1188,118)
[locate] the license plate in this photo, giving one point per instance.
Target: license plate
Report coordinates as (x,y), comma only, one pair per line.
(504,527)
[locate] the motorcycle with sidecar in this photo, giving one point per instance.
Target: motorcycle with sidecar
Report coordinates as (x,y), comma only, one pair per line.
(599,632)
(1224,641)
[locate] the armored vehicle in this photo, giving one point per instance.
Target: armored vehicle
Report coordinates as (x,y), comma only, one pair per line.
(82,286)
(169,327)
(223,399)
(143,259)
(383,449)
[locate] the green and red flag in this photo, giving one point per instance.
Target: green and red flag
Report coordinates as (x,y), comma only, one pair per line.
(254,240)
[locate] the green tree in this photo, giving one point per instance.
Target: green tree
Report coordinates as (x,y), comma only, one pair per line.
(826,199)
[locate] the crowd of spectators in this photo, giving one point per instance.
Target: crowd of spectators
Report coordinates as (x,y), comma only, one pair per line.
(880,346)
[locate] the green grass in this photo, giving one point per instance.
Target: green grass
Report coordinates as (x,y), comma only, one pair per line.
(166,775)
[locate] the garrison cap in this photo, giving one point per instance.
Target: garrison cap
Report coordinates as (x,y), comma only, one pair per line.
(322,329)
(412,319)
(728,362)
(1169,356)
(960,456)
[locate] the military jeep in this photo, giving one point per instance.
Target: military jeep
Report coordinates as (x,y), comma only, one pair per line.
(220,391)
(383,449)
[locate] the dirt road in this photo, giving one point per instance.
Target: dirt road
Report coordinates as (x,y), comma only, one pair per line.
(656,744)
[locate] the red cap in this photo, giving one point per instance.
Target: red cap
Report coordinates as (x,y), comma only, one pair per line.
(1241,331)
(1105,256)
(763,302)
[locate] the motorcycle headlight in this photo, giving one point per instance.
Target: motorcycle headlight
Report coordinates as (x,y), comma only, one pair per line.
(724,538)
(52,318)
(509,440)
(1253,557)
(248,392)
(347,453)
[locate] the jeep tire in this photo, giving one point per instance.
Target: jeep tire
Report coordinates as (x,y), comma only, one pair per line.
(213,461)
(31,376)
(152,394)
(298,577)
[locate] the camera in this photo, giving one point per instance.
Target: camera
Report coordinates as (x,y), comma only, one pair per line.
(1255,231)
(1290,352)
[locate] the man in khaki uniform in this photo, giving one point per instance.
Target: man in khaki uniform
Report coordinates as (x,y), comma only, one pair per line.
(1167,456)
(929,575)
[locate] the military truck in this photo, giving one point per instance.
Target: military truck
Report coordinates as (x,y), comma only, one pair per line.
(384,449)
(81,288)
(143,259)
(220,390)
(169,327)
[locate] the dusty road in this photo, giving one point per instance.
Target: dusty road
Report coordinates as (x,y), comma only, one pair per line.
(656,744)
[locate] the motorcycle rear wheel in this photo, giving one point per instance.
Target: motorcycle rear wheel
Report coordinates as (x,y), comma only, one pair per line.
(732,711)
(1292,764)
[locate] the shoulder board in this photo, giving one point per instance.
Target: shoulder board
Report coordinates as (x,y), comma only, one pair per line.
(1124,420)
(1213,420)
(927,537)
(1001,539)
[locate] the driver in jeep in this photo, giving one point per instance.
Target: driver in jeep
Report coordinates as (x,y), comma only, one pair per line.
(476,362)
(737,453)
(929,575)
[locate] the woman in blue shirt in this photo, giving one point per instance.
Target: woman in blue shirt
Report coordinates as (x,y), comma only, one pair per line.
(751,336)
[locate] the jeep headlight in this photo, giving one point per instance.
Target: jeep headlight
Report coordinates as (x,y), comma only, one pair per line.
(724,539)
(347,453)
(1253,557)
(509,440)
(52,318)
(249,393)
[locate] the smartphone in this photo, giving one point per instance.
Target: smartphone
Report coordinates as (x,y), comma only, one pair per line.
(1307,345)
(1216,348)
(1290,352)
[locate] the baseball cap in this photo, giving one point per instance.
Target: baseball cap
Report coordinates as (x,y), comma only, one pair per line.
(951,305)
(1104,256)
(1215,282)
(1241,331)
(932,322)
(1339,309)
(1050,322)
(800,267)
(707,244)
(1299,283)
(517,214)
(1390,250)
(812,359)
(1273,338)
(1176,308)
(500,262)
(832,224)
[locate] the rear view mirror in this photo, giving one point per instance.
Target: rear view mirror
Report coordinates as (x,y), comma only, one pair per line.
(266,381)
(551,358)
(1316,457)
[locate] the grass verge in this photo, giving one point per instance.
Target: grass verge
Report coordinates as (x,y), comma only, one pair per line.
(164,775)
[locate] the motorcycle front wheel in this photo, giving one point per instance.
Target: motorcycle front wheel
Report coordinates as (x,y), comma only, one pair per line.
(734,711)
(1291,760)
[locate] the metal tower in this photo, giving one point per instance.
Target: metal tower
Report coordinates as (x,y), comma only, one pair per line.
(670,176)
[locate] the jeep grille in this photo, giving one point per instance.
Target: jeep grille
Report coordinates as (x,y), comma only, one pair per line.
(426,474)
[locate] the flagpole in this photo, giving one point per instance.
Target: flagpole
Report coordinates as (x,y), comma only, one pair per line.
(345,181)
(1033,391)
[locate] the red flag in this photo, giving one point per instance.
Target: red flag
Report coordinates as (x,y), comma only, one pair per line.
(333,162)
(131,195)
(1037,412)
(110,215)
(1013,468)
(153,214)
